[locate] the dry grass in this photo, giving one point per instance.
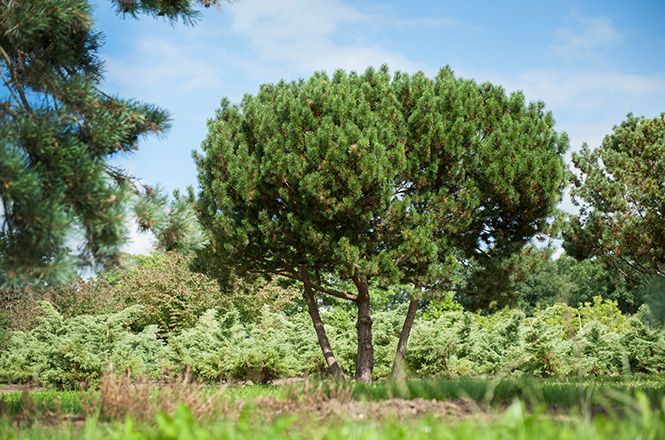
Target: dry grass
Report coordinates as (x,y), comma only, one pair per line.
(307,401)
(324,402)
(142,399)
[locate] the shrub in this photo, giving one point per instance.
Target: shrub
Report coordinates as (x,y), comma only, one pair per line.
(644,347)
(220,346)
(74,352)
(67,352)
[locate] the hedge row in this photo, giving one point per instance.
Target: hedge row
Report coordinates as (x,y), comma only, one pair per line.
(557,341)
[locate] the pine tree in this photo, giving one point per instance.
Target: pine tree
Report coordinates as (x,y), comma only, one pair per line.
(57,134)
(367,179)
(621,195)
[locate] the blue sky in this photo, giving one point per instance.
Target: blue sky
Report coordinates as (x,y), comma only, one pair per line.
(591,62)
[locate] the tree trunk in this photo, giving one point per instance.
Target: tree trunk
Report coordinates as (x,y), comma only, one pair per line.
(365,355)
(313,309)
(397,373)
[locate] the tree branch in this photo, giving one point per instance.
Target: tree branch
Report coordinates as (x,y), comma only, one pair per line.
(637,268)
(625,274)
(15,81)
(319,288)
(337,293)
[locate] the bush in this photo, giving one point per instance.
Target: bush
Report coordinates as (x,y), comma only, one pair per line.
(75,352)
(68,352)
(643,347)
(557,341)
(219,347)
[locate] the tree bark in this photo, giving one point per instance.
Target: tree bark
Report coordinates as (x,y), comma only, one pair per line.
(365,354)
(397,372)
(313,309)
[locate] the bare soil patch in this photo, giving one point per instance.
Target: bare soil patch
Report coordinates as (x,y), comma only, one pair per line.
(345,409)
(14,388)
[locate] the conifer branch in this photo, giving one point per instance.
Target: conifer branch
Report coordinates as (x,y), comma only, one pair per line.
(333,292)
(297,275)
(15,81)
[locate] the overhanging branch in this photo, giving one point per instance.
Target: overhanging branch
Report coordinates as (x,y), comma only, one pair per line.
(296,274)
(15,80)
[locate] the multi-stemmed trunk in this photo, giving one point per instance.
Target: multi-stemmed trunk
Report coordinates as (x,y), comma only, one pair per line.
(365,353)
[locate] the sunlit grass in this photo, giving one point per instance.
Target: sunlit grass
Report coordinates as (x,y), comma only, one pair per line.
(589,408)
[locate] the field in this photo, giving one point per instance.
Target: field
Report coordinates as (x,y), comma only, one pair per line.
(494,408)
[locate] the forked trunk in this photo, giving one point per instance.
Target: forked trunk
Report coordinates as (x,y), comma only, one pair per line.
(365,355)
(397,373)
(313,309)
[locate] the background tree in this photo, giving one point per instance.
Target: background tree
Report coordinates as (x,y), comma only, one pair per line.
(57,134)
(621,194)
(567,280)
(362,178)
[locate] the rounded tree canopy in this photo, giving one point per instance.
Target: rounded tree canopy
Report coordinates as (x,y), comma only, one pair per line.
(378,177)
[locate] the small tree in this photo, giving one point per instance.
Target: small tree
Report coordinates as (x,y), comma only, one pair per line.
(621,195)
(365,178)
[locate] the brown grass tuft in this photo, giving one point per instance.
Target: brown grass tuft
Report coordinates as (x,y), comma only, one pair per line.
(141,398)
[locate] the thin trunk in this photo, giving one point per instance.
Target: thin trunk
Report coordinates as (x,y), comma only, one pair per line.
(313,309)
(365,355)
(397,372)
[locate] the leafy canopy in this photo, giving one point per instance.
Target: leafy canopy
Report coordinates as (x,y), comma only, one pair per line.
(361,175)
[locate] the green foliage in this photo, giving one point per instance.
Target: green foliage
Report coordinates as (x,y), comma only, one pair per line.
(436,344)
(171,295)
(170,9)
(57,134)
(557,341)
(621,198)
(175,226)
(575,282)
(220,346)
(174,296)
(316,167)
(435,308)
(654,296)
(74,352)
(645,347)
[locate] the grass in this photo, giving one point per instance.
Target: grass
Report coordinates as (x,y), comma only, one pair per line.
(617,408)
(514,423)
(553,393)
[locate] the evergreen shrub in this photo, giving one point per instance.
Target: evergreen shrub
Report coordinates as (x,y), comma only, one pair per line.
(559,341)
(595,338)
(74,352)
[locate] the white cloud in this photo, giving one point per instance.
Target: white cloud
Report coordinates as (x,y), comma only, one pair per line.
(161,70)
(586,36)
(588,89)
(307,36)
(594,101)
(289,20)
